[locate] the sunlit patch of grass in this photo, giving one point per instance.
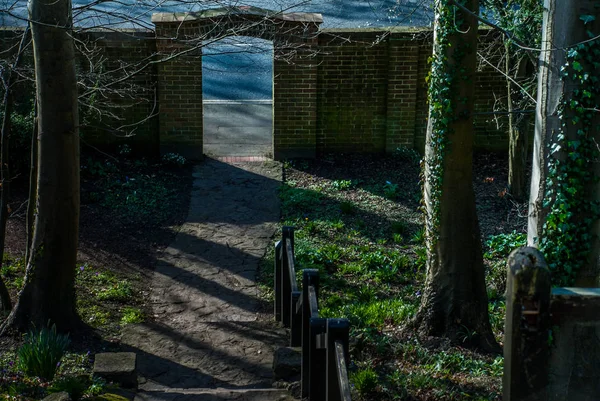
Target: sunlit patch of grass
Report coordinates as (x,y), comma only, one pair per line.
(132,315)
(119,291)
(13,272)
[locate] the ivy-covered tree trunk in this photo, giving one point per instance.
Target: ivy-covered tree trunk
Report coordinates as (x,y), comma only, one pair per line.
(454,302)
(565,192)
(49,293)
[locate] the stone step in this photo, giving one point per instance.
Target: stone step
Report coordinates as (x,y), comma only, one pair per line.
(200,394)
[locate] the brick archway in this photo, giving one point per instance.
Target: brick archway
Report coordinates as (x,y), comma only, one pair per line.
(179,43)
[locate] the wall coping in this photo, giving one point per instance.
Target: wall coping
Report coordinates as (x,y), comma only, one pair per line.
(241,10)
(390,29)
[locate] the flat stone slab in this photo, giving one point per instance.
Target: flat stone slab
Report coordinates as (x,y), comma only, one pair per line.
(215,395)
(117,367)
(287,363)
(60,396)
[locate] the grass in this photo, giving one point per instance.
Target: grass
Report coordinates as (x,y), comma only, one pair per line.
(363,232)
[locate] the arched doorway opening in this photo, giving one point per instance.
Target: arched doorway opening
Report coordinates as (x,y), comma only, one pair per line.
(237,93)
(294,75)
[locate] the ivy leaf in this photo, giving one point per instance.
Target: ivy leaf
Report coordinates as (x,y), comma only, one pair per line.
(577,66)
(587,18)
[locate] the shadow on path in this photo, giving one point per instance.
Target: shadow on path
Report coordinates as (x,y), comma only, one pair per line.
(207,330)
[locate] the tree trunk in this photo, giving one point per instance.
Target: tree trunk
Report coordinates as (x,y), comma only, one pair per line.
(546,121)
(49,293)
(5,301)
(517,129)
(454,302)
(32,185)
(558,129)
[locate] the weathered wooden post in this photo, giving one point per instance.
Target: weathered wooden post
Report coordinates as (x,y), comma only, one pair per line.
(526,332)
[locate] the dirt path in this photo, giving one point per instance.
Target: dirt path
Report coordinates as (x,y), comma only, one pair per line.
(208,330)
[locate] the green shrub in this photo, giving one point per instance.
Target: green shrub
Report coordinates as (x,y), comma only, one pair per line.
(365,381)
(419,237)
(42,351)
(76,386)
(502,244)
(341,185)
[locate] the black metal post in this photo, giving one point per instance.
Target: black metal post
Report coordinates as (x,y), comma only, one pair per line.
(309,277)
(317,390)
(277,275)
(337,330)
(286,284)
(296,321)
(288,232)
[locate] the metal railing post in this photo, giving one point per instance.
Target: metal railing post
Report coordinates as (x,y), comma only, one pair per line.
(287,237)
(317,360)
(277,279)
(296,321)
(309,277)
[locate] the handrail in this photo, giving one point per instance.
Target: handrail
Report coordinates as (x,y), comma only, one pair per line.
(312,301)
(324,342)
(291,264)
(342,372)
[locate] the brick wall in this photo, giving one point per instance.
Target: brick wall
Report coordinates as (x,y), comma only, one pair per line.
(295,95)
(352,96)
(343,90)
(372,91)
(121,111)
(124,110)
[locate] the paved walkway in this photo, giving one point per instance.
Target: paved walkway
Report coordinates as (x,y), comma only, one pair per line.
(210,337)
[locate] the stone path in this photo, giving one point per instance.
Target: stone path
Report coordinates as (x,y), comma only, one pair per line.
(209,339)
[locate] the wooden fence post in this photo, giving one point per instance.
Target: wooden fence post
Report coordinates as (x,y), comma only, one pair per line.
(526,332)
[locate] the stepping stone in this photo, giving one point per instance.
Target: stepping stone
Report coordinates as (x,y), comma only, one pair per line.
(287,363)
(61,396)
(117,367)
(215,395)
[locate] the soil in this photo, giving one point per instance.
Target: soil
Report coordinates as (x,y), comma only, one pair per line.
(498,212)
